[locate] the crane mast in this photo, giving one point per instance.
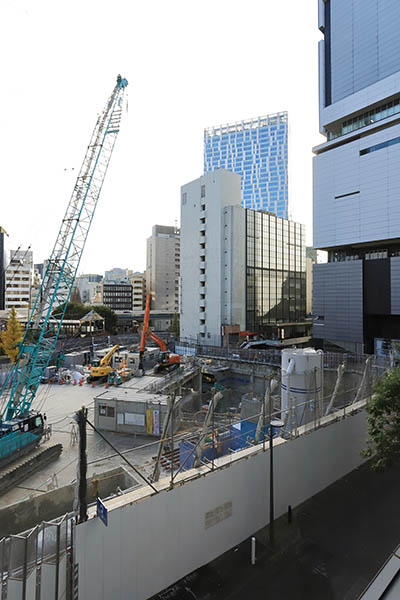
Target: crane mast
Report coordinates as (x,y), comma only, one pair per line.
(43,328)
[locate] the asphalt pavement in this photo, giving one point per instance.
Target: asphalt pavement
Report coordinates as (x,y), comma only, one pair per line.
(334,545)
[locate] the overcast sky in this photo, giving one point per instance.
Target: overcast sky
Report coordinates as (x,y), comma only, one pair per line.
(190,64)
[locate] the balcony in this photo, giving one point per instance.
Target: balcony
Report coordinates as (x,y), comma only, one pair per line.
(202,278)
(202,303)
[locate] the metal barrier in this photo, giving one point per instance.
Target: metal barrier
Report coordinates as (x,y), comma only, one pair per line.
(273,357)
(37,565)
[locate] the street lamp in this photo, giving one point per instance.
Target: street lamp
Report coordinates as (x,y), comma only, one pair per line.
(273,424)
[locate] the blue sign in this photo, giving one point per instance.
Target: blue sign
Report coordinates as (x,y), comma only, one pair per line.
(102,512)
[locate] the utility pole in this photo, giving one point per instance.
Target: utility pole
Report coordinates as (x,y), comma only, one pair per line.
(81,509)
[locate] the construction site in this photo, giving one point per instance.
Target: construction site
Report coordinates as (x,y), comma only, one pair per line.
(118,457)
(157,434)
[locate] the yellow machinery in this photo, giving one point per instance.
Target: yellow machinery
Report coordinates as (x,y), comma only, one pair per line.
(101,368)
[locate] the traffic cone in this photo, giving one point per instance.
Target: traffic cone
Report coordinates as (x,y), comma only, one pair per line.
(107,385)
(80,382)
(74,382)
(60,382)
(92,384)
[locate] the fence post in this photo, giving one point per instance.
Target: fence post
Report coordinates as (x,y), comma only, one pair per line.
(57,562)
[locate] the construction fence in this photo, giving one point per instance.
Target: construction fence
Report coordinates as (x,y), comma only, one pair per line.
(37,565)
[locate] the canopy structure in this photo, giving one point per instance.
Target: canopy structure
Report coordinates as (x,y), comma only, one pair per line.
(91,318)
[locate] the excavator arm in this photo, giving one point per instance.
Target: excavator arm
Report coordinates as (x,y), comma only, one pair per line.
(167,360)
(157,340)
(107,357)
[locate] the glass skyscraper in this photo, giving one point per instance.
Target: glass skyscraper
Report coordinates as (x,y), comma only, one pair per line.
(275,271)
(257,150)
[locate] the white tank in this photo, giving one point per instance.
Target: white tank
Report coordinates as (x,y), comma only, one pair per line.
(302,382)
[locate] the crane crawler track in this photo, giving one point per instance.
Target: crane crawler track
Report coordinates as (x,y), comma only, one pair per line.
(14,476)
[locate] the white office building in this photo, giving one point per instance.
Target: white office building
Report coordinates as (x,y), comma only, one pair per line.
(138,282)
(212,264)
(90,288)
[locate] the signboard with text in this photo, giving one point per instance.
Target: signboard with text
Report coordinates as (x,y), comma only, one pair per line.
(102,512)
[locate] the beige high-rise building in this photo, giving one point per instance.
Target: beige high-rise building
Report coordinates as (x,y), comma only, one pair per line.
(163,268)
(18,280)
(138,282)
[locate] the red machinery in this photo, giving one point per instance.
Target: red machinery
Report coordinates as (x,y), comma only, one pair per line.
(168,361)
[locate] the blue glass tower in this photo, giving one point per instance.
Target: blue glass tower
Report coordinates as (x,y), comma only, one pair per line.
(257,150)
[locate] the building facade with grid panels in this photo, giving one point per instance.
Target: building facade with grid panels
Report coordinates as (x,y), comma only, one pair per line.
(240,268)
(356,297)
(275,271)
(257,150)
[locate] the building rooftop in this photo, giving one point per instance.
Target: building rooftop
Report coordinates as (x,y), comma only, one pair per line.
(265,121)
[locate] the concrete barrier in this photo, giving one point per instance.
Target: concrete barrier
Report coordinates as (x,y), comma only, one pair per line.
(23,515)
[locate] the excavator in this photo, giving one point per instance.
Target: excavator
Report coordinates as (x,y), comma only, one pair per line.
(168,361)
(101,368)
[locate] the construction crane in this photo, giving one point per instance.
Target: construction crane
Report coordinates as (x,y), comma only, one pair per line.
(168,361)
(101,369)
(20,428)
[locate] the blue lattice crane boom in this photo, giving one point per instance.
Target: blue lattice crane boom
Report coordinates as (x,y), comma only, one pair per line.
(42,330)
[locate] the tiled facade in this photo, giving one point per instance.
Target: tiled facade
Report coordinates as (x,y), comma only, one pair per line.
(257,150)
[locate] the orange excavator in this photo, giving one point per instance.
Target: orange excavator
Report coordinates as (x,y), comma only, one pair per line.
(168,361)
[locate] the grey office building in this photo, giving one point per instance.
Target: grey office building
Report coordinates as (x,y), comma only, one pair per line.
(356,300)
(162,268)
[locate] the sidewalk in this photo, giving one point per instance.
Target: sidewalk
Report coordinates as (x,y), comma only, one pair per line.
(335,544)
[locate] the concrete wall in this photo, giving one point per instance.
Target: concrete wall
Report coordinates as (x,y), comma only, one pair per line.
(21,516)
(150,544)
(234,267)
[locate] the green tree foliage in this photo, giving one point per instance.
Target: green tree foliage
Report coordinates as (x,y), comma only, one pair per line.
(11,336)
(384,421)
(175,327)
(77,311)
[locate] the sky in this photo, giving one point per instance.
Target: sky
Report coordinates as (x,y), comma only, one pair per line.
(190,64)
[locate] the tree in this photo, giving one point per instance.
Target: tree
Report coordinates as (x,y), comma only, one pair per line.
(11,336)
(175,325)
(384,421)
